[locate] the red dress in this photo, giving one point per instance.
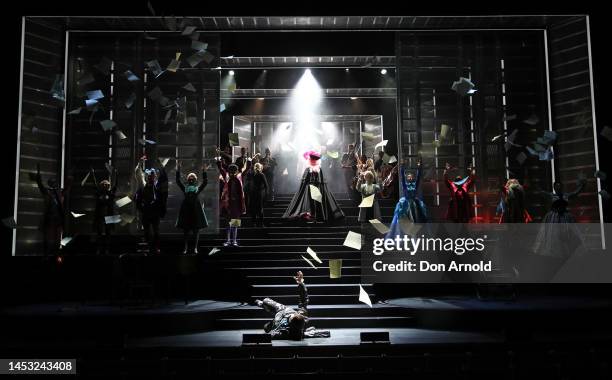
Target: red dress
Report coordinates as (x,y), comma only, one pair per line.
(460,208)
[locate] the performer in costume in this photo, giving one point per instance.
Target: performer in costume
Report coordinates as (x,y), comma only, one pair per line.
(410,205)
(460,209)
(105,206)
(257,190)
(52,223)
(232,203)
(288,323)
(367,187)
(303,206)
(150,200)
(512,206)
(191,216)
(269,167)
(558,236)
(349,165)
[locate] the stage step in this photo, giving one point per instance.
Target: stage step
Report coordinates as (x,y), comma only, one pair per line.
(320,322)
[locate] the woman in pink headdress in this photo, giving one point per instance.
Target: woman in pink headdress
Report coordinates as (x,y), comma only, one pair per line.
(305,203)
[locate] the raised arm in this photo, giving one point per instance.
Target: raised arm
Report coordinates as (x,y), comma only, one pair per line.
(93,175)
(302,291)
(178,181)
(204,179)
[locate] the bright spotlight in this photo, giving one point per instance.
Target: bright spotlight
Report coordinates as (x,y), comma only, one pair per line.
(260,98)
(353,97)
(347,69)
(383,71)
(231,72)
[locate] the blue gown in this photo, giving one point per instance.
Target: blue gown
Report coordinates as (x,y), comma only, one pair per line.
(409,206)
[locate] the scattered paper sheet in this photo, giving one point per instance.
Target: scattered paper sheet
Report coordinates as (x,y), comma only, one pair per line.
(233,139)
(75,215)
(189,87)
(173,66)
(285,172)
(145,141)
(65,241)
(308,261)
(352,240)
(85,179)
(335,268)
(463,86)
(444,128)
(131,76)
(367,201)
(107,125)
(120,135)
(123,201)
(127,218)
(364,297)
(129,102)
(165,161)
(333,154)
(95,95)
(235,222)
(112,219)
(314,256)
(380,226)
(315,194)
(213,251)
(381,144)
(392,159)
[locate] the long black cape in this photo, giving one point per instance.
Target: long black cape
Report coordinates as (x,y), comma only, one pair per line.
(303,203)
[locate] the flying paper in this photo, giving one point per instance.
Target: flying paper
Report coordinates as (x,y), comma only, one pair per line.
(463,86)
(233,139)
(213,251)
(315,194)
(364,297)
(113,219)
(189,87)
(75,111)
(65,241)
(127,218)
(367,201)
(381,144)
(308,261)
(85,179)
(380,226)
(95,95)
(154,67)
(129,102)
(335,268)
(392,159)
(107,125)
(131,76)
(120,134)
(333,154)
(75,215)
(285,172)
(123,201)
(165,161)
(353,240)
(145,141)
(235,222)
(314,256)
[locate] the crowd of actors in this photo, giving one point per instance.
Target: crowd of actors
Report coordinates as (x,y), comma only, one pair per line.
(247,182)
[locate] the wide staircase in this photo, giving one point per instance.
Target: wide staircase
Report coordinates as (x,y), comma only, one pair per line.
(269,257)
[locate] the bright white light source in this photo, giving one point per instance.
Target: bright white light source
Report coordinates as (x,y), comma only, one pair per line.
(353,97)
(383,71)
(231,72)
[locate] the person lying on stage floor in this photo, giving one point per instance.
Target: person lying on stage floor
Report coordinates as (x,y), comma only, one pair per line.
(105,206)
(52,223)
(257,189)
(303,205)
(512,207)
(460,209)
(232,203)
(150,199)
(191,217)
